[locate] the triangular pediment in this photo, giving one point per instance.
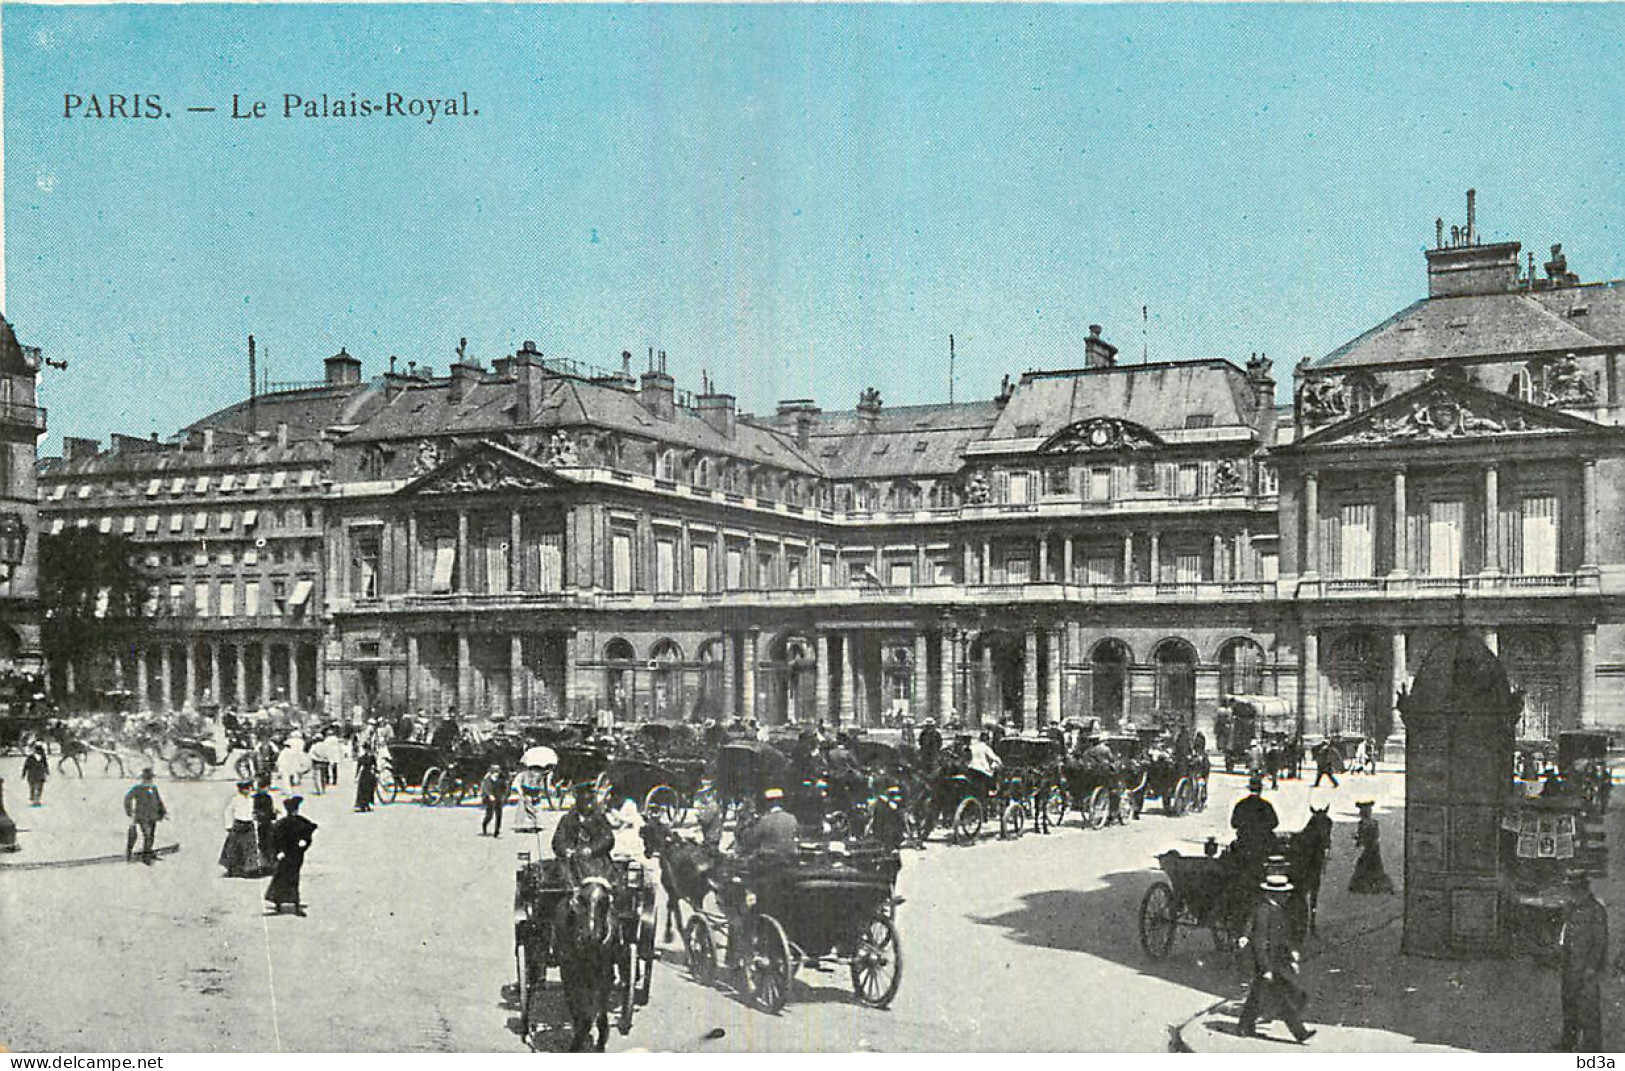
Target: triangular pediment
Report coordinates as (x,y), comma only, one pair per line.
(484,469)
(1448,410)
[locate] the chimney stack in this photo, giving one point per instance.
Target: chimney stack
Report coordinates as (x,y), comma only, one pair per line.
(528,372)
(717,410)
(463,376)
(801,413)
(1097,352)
(343,370)
(1472,217)
(282,435)
(657,390)
(77,449)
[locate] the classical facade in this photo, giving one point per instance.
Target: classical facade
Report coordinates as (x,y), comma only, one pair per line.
(22,422)
(1128,542)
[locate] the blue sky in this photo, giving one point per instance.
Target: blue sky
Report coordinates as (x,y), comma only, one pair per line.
(802,200)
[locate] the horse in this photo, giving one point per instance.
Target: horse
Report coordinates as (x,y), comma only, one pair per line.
(587,946)
(1306,852)
(685,869)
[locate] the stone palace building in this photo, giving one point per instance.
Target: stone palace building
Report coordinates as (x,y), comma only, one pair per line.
(1127,542)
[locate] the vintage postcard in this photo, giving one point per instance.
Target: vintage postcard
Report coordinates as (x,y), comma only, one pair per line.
(811,528)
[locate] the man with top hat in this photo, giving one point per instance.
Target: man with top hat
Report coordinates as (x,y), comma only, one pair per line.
(1254,821)
(886,819)
(930,744)
(584,838)
(1275,991)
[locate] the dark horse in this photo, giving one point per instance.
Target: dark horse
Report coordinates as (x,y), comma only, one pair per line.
(587,946)
(685,869)
(1306,852)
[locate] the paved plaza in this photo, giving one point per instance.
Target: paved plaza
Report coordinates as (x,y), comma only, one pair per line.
(1027,944)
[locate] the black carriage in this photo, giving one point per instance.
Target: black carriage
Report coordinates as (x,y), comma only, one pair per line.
(539,888)
(662,786)
(1177,778)
(1034,772)
(955,796)
(746,769)
(457,776)
(404,766)
(830,905)
(1110,772)
(1215,892)
(1247,719)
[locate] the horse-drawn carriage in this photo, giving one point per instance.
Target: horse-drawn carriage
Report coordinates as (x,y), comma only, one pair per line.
(660,771)
(1267,720)
(830,904)
(954,795)
(1034,772)
(598,935)
(442,775)
(1218,891)
(1176,777)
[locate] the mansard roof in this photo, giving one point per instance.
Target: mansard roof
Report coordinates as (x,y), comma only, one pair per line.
(1559,319)
(1159,396)
(905,441)
(490,406)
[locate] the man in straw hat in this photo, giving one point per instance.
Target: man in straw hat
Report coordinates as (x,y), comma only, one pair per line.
(1275,990)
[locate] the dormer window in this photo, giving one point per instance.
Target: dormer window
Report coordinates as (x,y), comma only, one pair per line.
(1199,420)
(1026,431)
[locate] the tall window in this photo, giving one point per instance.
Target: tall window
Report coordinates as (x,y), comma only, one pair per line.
(1020,492)
(735,565)
(900,574)
(1100,569)
(1100,485)
(1186,481)
(1540,532)
(200,597)
(228,599)
(550,561)
(1188,567)
(665,565)
(620,561)
(365,549)
(445,565)
(1445,537)
(1057,481)
(701,554)
(1357,524)
(1145,477)
(1016,571)
(792,573)
(764,569)
(826,572)
(251,598)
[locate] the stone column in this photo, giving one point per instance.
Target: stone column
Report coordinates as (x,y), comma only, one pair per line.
(1052,681)
(730,658)
(266,692)
(948,669)
(1156,556)
(1399,659)
(214,675)
(848,676)
(987,561)
(1588,519)
(1311,534)
(240,664)
(1068,574)
(143,700)
(516,552)
(1401,511)
(969,575)
(1029,680)
(411,552)
(462,574)
(921,686)
(1309,708)
(293,673)
(1043,557)
(568,688)
(516,670)
(987,690)
(1218,559)
(191,697)
(1492,519)
(412,689)
(1588,678)
(465,676)
(1243,569)
(748,685)
(826,664)
(1128,557)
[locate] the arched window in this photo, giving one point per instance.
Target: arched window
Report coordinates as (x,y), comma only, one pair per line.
(1176,683)
(666,682)
(666,465)
(1109,665)
(703,474)
(1241,668)
(620,677)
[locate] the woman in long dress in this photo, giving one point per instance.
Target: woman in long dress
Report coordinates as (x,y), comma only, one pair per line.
(239,855)
(1369,876)
(366,779)
(291,837)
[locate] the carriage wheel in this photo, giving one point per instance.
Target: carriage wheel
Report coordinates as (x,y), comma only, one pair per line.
(187,765)
(628,985)
(1159,920)
(70,764)
(1177,802)
(644,957)
(529,973)
(877,962)
(386,790)
(967,820)
(430,792)
(702,950)
(768,970)
(1056,806)
(1098,810)
(1012,820)
(663,805)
